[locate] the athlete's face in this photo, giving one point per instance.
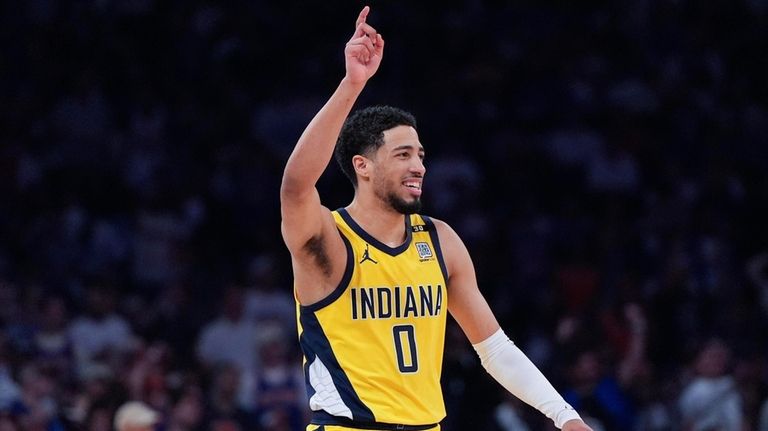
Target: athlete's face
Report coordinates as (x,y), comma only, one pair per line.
(398,170)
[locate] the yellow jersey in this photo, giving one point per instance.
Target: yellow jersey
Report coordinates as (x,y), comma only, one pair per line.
(373,349)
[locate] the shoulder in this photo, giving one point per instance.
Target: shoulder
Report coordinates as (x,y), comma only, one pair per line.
(454,251)
(448,236)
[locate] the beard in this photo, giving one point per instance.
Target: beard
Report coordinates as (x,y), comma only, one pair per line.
(397,203)
(402,206)
(385,192)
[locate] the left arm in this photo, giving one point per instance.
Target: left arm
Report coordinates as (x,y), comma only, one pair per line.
(500,357)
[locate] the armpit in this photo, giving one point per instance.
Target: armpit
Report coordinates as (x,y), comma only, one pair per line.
(316,248)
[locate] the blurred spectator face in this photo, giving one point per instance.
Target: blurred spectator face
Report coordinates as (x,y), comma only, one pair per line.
(188,412)
(587,369)
(35,383)
(39,393)
(713,359)
(100,420)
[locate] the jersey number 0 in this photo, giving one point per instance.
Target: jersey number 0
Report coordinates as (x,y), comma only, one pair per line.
(408,362)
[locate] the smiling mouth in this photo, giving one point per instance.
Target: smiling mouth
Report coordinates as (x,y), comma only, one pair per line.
(414,187)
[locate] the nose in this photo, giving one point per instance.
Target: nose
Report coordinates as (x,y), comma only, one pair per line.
(417,167)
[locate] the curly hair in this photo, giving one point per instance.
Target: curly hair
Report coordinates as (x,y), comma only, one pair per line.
(363,134)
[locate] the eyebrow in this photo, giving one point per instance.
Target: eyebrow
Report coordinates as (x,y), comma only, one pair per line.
(407,147)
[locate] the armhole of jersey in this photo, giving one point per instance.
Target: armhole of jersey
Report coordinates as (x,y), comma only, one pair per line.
(343,284)
(436,242)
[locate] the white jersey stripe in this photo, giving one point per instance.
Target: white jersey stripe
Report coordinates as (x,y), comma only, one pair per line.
(326,395)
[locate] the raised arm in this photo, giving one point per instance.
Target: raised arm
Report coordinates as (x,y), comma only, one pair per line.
(303,217)
(506,363)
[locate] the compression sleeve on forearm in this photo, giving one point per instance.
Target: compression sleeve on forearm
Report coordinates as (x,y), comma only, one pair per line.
(517,374)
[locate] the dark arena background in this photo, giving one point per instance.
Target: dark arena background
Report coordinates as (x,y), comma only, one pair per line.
(605,162)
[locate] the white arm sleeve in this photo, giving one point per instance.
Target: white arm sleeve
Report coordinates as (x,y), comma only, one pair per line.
(510,367)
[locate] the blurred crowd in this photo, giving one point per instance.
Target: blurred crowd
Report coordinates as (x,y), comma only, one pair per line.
(605,162)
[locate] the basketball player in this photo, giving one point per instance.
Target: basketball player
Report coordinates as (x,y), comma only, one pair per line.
(374,280)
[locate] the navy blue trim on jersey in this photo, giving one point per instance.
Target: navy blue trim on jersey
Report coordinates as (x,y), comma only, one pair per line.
(436,242)
(310,390)
(392,251)
(324,418)
(315,344)
(343,284)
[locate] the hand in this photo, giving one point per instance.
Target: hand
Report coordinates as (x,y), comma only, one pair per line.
(576,425)
(364,50)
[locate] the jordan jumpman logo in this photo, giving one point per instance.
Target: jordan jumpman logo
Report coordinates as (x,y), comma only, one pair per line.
(367,256)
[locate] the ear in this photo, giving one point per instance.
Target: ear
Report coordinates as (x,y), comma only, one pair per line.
(362,166)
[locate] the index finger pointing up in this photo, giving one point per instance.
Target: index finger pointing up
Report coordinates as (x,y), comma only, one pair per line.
(363,15)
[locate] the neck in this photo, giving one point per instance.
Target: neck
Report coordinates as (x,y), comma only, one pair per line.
(378,219)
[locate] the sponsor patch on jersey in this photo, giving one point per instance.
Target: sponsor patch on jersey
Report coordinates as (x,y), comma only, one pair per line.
(424,251)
